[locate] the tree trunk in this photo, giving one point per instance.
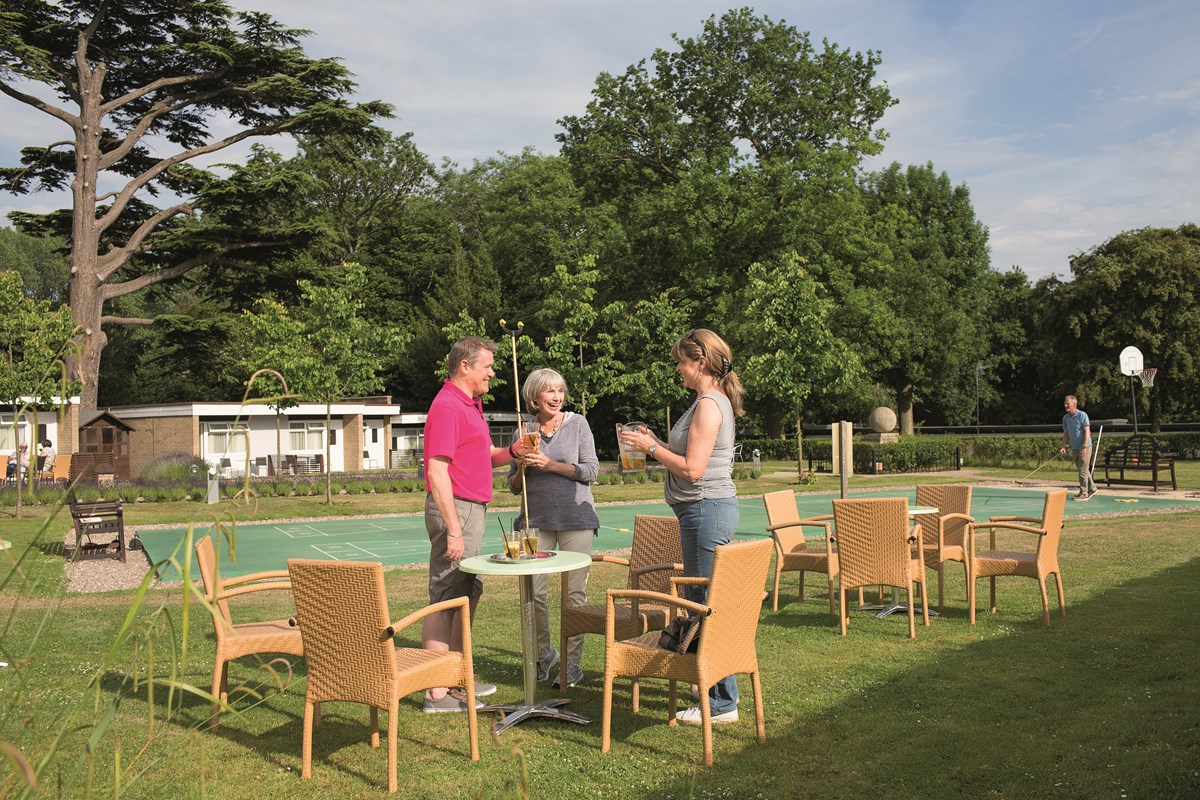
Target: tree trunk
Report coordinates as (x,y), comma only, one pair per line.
(905,409)
(799,445)
(328,453)
(773,420)
(86,289)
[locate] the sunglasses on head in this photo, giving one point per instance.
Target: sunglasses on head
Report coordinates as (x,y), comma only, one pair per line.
(691,337)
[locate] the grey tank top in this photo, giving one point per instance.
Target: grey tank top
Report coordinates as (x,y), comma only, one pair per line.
(717,480)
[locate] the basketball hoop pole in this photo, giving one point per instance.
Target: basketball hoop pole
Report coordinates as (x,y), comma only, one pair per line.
(1133,402)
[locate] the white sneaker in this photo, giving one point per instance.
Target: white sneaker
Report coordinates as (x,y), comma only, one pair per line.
(691,716)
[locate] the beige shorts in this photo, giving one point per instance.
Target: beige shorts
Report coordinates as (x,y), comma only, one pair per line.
(446,580)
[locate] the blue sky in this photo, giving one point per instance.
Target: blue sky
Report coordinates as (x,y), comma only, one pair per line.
(1070,121)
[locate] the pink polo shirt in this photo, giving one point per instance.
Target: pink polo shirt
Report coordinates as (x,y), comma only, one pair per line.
(455,429)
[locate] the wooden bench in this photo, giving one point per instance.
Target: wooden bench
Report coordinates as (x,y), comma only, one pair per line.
(1139,453)
(99,518)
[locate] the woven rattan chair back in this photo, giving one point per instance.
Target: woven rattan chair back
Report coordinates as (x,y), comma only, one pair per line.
(343,614)
(735,597)
(872,538)
(206,560)
(656,540)
(1052,522)
(947,498)
(782,510)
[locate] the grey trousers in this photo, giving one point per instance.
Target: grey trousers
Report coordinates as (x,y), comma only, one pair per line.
(579,541)
(1083,461)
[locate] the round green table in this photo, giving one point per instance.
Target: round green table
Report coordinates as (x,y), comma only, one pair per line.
(526,568)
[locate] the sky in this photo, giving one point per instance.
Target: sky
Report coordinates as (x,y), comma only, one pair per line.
(1069,121)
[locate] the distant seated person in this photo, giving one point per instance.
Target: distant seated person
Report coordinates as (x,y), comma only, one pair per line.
(20,457)
(46,455)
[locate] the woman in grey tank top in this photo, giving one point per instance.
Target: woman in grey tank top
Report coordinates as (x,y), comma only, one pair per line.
(698,455)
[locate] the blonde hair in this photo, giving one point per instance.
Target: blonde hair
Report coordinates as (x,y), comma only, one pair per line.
(539,381)
(718,361)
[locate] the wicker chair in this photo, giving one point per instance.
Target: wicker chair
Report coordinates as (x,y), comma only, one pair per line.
(944,534)
(247,638)
(792,553)
(726,640)
(655,557)
(343,614)
(875,546)
(1039,565)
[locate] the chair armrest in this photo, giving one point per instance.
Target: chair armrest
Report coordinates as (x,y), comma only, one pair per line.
(1012,519)
(993,526)
(254,576)
(646,570)
(458,603)
(965,517)
(657,597)
(225,594)
(624,562)
(686,581)
(810,522)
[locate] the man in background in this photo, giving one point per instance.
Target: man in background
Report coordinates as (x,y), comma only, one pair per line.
(1077,437)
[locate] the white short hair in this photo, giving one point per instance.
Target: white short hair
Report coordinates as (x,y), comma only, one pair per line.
(539,381)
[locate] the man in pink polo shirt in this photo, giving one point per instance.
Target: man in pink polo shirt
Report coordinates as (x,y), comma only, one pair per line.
(459,458)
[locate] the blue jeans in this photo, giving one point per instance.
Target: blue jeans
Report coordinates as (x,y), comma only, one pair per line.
(704,525)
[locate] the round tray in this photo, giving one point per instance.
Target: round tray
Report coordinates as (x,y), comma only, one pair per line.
(503,559)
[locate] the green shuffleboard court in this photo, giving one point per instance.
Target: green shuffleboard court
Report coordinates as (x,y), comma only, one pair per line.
(400,540)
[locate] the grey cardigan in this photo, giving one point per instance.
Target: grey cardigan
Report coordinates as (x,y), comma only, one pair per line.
(558,503)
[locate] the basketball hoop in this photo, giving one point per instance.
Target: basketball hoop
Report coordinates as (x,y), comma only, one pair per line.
(1147,375)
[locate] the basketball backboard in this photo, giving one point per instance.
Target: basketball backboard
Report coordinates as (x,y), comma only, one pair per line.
(1131,361)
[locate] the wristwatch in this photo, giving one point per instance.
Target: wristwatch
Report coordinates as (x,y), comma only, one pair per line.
(651,449)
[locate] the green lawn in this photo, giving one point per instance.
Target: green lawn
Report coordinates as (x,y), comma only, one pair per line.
(1101,704)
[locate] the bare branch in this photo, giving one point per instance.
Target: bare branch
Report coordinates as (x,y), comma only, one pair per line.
(114,259)
(107,320)
(131,188)
(170,273)
(30,100)
(154,86)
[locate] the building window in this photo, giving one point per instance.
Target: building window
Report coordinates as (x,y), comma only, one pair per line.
(8,434)
(306,436)
(225,437)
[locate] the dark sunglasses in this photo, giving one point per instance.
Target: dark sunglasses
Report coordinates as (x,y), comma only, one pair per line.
(691,337)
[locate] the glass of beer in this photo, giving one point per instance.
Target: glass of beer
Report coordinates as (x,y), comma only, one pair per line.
(529,541)
(631,460)
(530,434)
(512,547)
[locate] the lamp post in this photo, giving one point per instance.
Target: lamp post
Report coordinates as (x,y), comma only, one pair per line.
(980,368)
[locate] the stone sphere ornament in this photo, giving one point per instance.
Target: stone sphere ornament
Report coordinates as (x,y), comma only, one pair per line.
(882,420)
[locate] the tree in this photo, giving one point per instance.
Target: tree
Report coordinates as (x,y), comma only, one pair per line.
(324,348)
(715,154)
(146,89)
(1138,288)
(934,290)
(790,351)
(34,340)
(42,262)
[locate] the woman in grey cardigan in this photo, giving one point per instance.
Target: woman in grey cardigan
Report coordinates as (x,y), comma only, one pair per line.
(558,477)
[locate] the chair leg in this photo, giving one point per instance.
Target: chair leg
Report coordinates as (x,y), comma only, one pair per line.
(941,595)
(759,718)
(832,602)
(635,694)
(220,677)
(925,601)
(706,725)
(802,585)
(672,703)
(306,742)
(375,728)
(775,594)
(970,596)
(912,627)
(393,713)
(606,720)
(1045,602)
(842,607)
(993,606)
(1062,599)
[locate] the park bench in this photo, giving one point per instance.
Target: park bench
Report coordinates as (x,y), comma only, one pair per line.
(1139,453)
(99,518)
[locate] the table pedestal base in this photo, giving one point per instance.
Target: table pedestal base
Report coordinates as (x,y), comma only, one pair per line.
(516,714)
